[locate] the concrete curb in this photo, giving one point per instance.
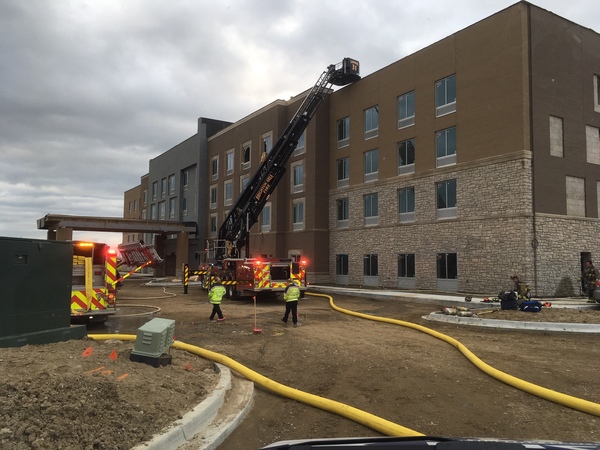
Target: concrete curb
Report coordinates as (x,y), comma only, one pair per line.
(514,324)
(201,418)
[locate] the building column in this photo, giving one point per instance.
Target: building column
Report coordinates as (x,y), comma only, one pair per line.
(181,252)
(64,234)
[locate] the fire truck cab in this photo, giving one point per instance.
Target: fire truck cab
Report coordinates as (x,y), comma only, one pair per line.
(244,277)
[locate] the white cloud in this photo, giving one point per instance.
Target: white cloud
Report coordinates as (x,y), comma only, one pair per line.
(90,91)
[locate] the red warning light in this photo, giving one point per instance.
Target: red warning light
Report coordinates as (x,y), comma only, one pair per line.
(304,262)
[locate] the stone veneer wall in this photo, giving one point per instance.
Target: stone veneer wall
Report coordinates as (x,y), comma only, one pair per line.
(492,233)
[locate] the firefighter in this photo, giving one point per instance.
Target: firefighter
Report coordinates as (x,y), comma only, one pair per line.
(216,293)
(291,295)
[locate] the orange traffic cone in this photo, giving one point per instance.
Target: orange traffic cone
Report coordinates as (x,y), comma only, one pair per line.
(88,352)
(113,355)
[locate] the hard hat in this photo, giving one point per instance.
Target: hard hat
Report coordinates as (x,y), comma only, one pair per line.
(217,280)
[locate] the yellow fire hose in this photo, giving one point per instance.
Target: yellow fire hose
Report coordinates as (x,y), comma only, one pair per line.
(548,394)
(374,422)
(369,420)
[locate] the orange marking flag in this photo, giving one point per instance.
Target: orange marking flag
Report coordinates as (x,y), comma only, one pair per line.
(88,352)
(113,355)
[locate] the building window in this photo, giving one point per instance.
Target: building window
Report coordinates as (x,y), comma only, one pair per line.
(371,209)
(163,187)
(596,93)
(406,110)
(153,212)
(185,179)
(265,219)
(171,184)
(297,177)
(445,96)
(343,212)
(343,172)
(162,210)
(371,165)
(214,168)
(446,199)
(370,266)
(154,190)
(343,132)
(406,204)
(447,267)
(592,144)
(406,265)
(244,180)
(575,196)
(213,225)
(172,208)
(130,208)
(341,264)
(246,149)
(301,146)
(184,206)
(406,157)
(228,189)
(556,137)
(372,122)
(229,161)
(445,147)
(213,197)
(267,143)
(298,215)
(135,205)
(145,197)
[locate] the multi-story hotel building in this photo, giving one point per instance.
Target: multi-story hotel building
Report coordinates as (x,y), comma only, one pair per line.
(451,169)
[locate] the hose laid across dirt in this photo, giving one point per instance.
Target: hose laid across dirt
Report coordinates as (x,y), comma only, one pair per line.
(374,422)
(548,394)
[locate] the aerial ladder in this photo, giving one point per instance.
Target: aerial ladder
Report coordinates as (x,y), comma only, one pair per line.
(234,232)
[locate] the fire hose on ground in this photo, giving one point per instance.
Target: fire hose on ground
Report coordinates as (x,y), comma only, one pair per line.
(374,422)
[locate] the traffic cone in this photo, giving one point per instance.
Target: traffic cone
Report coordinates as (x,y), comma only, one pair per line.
(188,367)
(113,355)
(88,352)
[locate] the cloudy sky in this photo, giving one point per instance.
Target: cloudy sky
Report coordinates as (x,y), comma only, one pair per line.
(91,90)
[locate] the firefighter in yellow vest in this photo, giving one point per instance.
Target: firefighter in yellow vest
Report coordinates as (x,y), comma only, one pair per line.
(216,293)
(291,295)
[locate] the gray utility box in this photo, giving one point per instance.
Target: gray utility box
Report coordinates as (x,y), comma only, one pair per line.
(35,305)
(153,340)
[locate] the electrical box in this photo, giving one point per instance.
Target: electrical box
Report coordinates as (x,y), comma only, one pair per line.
(154,338)
(35,303)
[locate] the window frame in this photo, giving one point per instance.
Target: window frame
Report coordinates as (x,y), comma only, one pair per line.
(445,269)
(409,166)
(450,198)
(406,194)
(445,96)
(297,179)
(371,165)
(371,265)
(344,165)
(229,161)
(298,210)
(443,144)
(246,155)
(213,196)
(406,110)
(265,218)
(227,192)
(343,212)
(214,168)
(406,265)
(371,122)
(371,208)
(341,264)
(343,132)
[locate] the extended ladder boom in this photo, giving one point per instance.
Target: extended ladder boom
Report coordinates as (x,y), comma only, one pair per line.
(244,214)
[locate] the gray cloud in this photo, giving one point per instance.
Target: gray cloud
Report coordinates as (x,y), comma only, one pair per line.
(90,91)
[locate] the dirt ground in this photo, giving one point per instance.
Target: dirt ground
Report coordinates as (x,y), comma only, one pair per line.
(52,396)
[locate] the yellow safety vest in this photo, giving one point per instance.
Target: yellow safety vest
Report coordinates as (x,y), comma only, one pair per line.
(292,294)
(216,294)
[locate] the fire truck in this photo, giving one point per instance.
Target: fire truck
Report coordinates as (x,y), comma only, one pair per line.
(244,275)
(96,276)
